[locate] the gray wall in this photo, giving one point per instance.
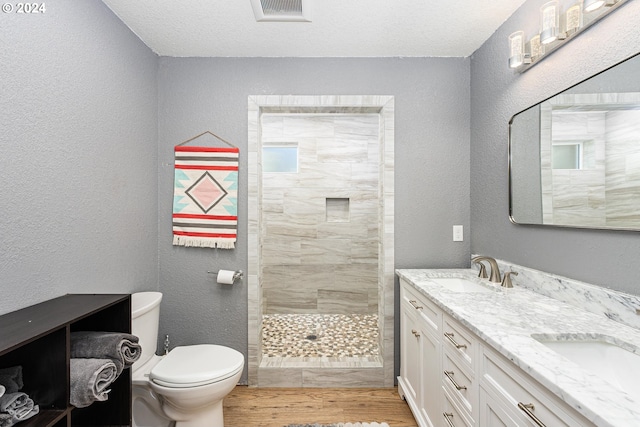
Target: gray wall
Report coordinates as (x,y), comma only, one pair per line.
(78,161)
(607,258)
(431,164)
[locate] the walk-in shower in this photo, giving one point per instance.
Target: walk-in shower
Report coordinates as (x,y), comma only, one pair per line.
(320,241)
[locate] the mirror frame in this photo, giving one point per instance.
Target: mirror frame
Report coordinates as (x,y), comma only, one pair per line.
(510,152)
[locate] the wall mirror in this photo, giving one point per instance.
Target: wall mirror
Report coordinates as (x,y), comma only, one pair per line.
(574,159)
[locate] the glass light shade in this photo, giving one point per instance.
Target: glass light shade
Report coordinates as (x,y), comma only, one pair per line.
(591,5)
(573,18)
(516,49)
(549,22)
(537,49)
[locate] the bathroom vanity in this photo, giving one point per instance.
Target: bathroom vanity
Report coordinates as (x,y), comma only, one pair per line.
(37,338)
(476,354)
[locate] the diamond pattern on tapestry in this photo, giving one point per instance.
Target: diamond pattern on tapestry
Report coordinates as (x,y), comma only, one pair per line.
(206,192)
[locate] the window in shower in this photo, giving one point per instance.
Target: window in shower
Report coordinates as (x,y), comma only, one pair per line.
(280,158)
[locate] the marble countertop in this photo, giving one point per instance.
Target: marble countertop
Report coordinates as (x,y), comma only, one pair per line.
(506,319)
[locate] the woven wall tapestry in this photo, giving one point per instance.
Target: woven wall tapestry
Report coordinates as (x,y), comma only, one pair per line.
(205,197)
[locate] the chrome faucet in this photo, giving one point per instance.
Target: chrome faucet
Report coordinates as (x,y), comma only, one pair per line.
(495,270)
(506,280)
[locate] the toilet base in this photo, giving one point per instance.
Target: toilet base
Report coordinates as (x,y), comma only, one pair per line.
(209,417)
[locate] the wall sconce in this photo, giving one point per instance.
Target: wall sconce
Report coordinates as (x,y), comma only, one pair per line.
(556,28)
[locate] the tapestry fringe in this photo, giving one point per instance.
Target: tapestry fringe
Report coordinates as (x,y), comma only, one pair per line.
(197,242)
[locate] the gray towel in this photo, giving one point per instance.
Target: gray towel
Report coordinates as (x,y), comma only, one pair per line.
(11,379)
(18,405)
(8,420)
(90,379)
(123,349)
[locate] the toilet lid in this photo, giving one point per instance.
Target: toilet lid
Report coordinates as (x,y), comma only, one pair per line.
(194,365)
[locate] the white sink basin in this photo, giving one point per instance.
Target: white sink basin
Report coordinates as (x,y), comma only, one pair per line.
(615,365)
(459,284)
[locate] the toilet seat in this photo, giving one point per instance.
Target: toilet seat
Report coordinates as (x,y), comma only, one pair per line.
(196,365)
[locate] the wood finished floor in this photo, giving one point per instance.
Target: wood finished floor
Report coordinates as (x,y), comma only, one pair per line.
(278,407)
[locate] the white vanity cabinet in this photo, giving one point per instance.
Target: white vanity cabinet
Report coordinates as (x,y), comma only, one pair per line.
(419,381)
(451,378)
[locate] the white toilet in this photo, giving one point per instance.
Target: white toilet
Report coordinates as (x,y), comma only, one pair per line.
(186,387)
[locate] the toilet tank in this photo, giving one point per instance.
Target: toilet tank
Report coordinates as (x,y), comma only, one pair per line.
(145,316)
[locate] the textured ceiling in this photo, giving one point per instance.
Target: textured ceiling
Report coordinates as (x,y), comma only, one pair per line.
(339,28)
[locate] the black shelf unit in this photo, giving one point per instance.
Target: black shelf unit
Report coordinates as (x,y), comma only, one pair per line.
(37,338)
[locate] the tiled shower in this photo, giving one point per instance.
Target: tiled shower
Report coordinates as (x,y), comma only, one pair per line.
(320,235)
(320,225)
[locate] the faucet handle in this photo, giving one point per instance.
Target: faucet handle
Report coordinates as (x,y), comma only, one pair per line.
(506,280)
(483,270)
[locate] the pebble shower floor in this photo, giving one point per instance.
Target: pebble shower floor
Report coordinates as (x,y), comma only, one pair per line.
(320,335)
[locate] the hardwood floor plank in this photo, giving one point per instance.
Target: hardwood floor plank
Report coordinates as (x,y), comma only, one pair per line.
(278,407)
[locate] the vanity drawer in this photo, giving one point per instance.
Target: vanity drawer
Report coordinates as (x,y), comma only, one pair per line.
(427,310)
(522,397)
(459,341)
(452,415)
(458,382)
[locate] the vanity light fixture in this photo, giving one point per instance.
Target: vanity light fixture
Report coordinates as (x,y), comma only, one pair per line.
(556,26)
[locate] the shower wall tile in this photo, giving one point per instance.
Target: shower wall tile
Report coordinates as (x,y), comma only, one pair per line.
(353,301)
(309,126)
(325,251)
(290,301)
(325,175)
(337,150)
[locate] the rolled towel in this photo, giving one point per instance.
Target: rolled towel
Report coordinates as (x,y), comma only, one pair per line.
(11,379)
(2,390)
(17,405)
(90,379)
(8,420)
(123,349)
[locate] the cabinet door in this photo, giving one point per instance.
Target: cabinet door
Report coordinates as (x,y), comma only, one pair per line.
(430,396)
(409,355)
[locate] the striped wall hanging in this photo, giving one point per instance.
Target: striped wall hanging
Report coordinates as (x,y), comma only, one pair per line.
(205,196)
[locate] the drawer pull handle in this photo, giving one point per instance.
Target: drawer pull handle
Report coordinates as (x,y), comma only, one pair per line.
(415,333)
(415,305)
(449,375)
(527,409)
(450,336)
(447,417)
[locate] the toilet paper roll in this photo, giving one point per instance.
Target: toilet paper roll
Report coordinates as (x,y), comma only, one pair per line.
(225,277)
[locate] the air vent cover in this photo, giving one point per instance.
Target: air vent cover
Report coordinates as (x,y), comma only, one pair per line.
(282,10)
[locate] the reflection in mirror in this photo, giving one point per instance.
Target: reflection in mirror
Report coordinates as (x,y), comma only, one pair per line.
(574,159)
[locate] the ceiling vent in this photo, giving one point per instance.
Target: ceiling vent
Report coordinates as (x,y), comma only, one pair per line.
(282,10)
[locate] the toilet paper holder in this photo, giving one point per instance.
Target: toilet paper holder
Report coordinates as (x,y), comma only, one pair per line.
(237,275)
